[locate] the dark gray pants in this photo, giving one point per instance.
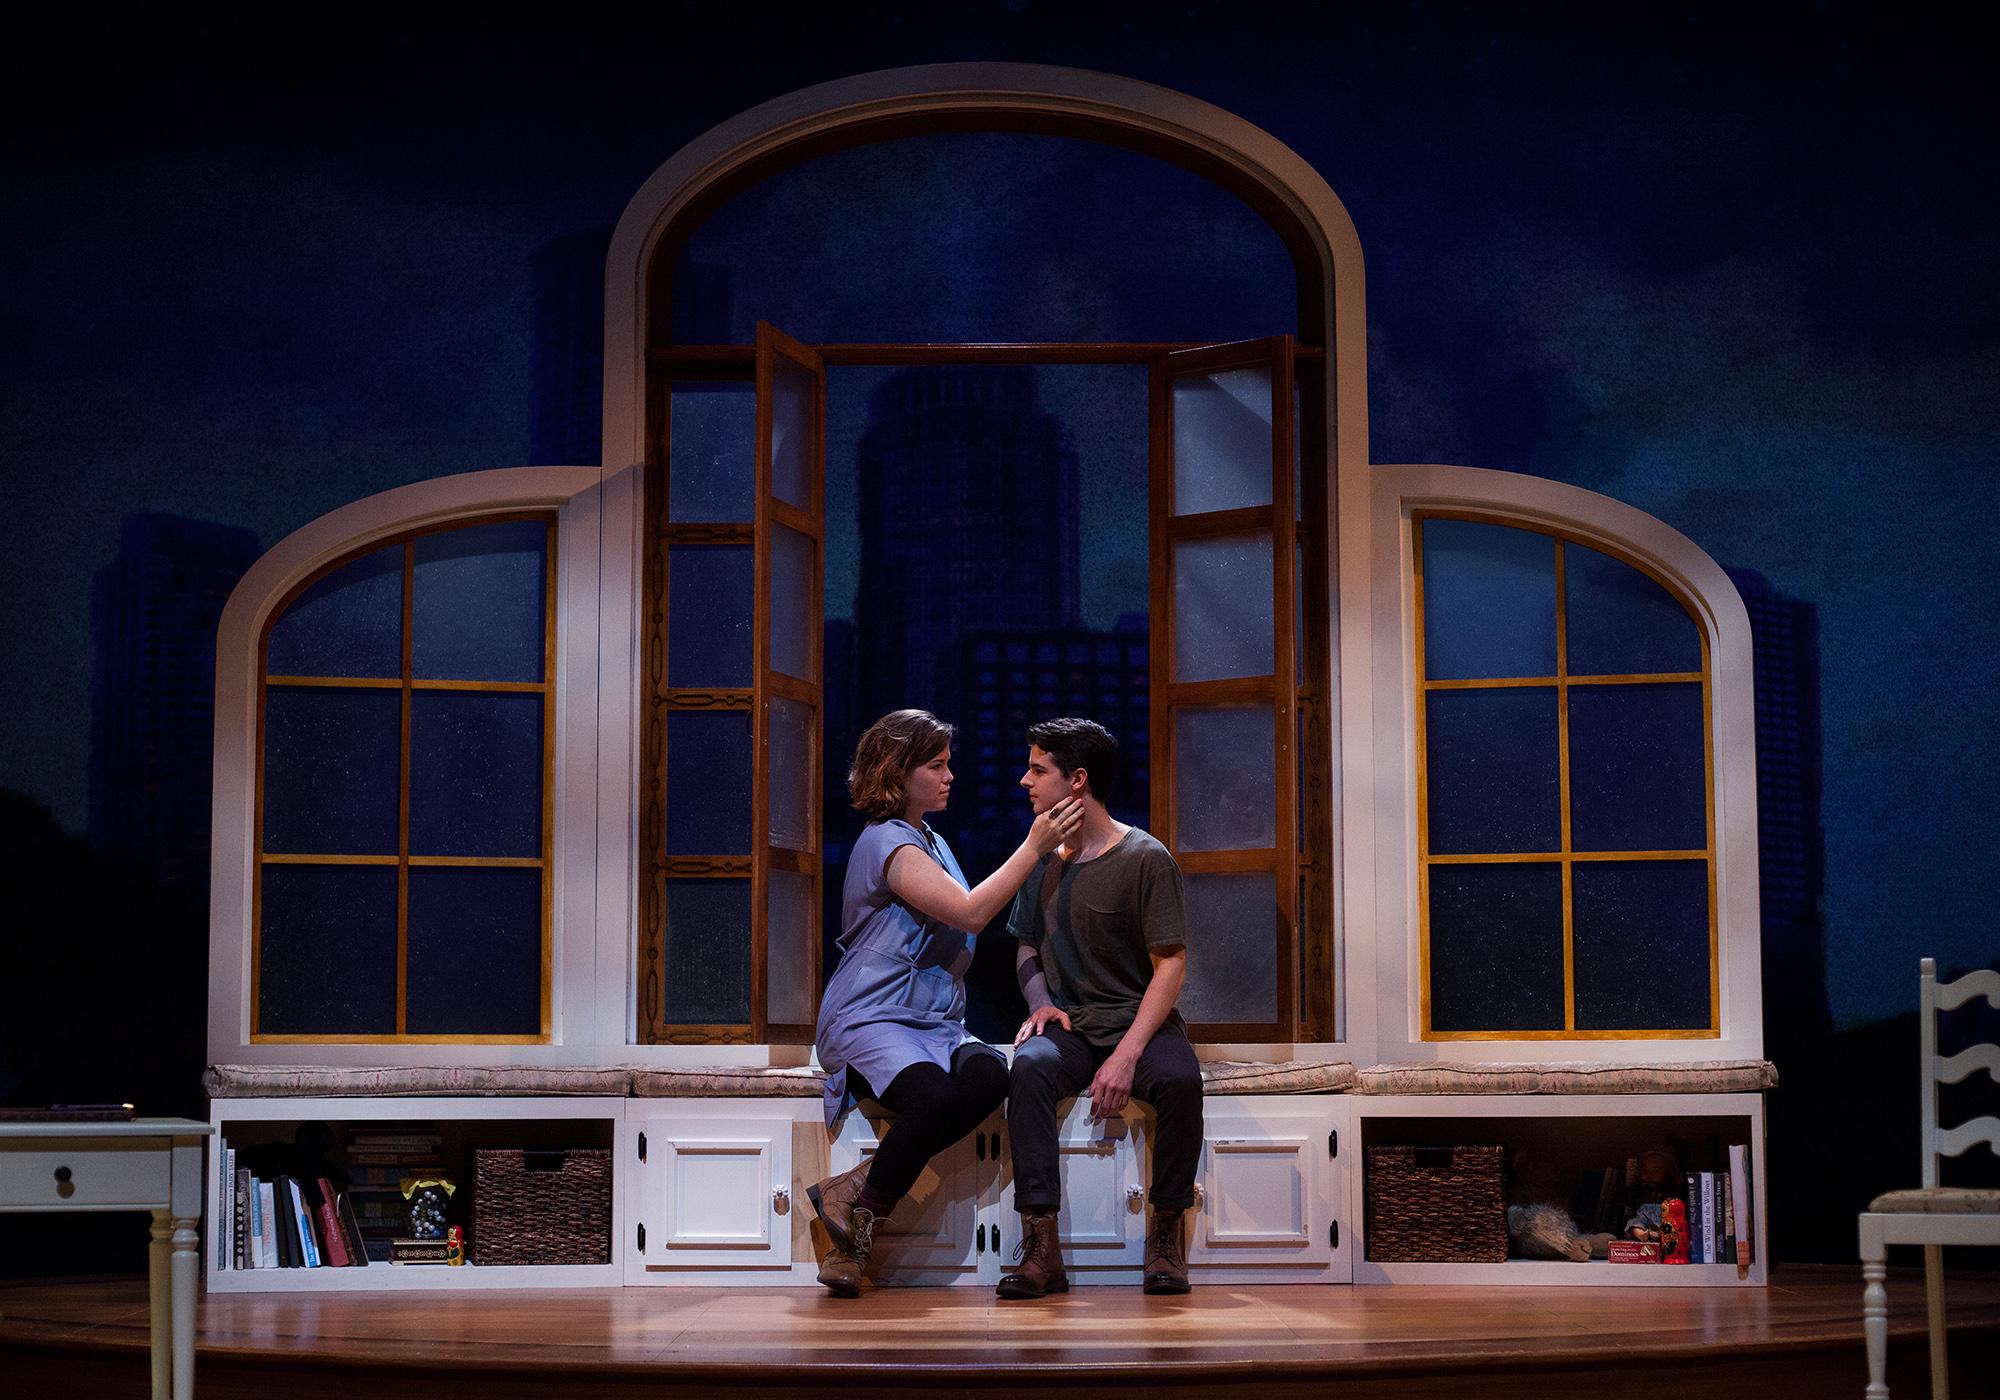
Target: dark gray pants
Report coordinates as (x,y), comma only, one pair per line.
(1057,1064)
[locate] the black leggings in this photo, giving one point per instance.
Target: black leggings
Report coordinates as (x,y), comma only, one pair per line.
(933,1110)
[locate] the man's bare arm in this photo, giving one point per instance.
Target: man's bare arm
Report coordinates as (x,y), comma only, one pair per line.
(1111,1090)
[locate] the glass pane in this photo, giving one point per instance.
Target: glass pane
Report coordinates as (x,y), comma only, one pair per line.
(480,603)
(350,623)
(1232,923)
(1492,771)
(790,897)
(1489,602)
(790,748)
(475,952)
(791,432)
(708,782)
(1225,779)
(1637,768)
(1223,608)
(1641,937)
(326,950)
(1222,440)
(475,774)
(1496,957)
(332,766)
(1621,622)
(707,974)
(710,592)
(712,452)
(793,620)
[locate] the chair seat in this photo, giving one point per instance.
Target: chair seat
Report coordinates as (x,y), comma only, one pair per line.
(1938,1200)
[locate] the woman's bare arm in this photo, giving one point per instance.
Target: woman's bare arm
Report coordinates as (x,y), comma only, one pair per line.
(923,885)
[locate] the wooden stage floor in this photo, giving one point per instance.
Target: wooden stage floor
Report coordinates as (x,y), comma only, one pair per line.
(1801,1336)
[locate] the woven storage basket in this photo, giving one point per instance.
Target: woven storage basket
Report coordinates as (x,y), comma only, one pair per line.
(1436,1205)
(541,1207)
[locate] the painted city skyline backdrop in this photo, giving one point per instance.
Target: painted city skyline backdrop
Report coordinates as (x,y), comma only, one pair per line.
(1730,269)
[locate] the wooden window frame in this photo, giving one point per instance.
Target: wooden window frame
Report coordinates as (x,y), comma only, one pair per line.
(1565,855)
(408,684)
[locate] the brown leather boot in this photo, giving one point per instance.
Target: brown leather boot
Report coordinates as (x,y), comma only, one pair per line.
(1038,1263)
(833,1200)
(844,1264)
(1166,1254)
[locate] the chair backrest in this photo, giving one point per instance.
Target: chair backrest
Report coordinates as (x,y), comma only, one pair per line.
(1933,999)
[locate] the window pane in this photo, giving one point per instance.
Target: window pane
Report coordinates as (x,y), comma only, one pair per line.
(475,774)
(712,451)
(332,765)
(710,592)
(793,620)
(326,950)
(1223,608)
(708,783)
(790,898)
(791,773)
(475,952)
(350,623)
(1492,770)
(1621,622)
(1225,779)
(480,603)
(1222,440)
(1641,937)
(1637,768)
(1232,923)
(791,432)
(707,973)
(1496,960)
(1489,602)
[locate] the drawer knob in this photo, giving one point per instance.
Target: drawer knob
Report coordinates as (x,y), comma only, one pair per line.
(62,1176)
(781,1200)
(1135,1197)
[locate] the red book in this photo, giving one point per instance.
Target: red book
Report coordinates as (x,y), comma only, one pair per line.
(329,1223)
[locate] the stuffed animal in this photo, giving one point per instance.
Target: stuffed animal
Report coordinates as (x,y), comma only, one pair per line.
(1549,1232)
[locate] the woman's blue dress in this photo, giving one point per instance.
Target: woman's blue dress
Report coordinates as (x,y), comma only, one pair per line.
(892,1001)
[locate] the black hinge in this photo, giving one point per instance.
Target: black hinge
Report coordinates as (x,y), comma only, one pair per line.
(980,1248)
(642,1147)
(996,1157)
(642,1237)
(1332,1142)
(1333,1234)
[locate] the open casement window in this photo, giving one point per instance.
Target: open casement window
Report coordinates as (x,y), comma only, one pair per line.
(1224,681)
(729,929)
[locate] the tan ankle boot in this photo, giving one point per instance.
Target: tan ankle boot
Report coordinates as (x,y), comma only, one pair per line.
(1166,1254)
(1038,1266)
(833,1200)
(842,1268)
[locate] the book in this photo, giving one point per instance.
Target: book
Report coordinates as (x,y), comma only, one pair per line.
(282,1225)
(409,1251)
(303,1220)
(1632,1252)
(228,1220)
(1728,1218)
(350,1230)
(1739,1190)
(329,1226)
(1693,1196)
(1717,1231)
(267,1225)
(245,1248)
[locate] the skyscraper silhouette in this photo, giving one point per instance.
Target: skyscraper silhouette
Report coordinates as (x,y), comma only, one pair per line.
(153,614)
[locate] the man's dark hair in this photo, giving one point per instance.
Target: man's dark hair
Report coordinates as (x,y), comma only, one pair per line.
(1080,743)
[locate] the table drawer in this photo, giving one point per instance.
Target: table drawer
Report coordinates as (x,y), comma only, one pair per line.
(101,1176)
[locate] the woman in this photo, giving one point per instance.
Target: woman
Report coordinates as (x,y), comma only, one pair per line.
(892,1022)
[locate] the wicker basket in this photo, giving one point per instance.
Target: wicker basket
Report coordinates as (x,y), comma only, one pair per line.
(541,1207)
(1436,1205)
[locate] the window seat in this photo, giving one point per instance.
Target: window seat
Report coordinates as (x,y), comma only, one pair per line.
(1560,1077)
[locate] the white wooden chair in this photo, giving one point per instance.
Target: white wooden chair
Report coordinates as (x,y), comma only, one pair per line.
(1932,1215)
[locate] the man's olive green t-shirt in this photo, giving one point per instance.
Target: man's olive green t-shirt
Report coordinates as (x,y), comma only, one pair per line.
(1094,921)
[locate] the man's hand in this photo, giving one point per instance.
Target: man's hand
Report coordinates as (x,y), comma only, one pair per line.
(1111,1089)
(1037,1019)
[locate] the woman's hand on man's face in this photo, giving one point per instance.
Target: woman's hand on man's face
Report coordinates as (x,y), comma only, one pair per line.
(1056,825)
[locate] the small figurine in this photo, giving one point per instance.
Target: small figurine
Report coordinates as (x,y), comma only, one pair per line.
(1673,1231)
(454,1245)
(430,1200)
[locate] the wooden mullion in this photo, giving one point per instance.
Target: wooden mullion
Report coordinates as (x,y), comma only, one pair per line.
(402,1039)
(760,708)
(506,687)
(1663,678)
(714,532)
(301,858)
(1160,606)
(1242,520)
(647,982)
(709,867)
(792,518)
(1632,1034)
(403,796)
(691,700)
(1562,790)
(1256,861)
(1320,703)
(1284,558)
(791,688)
(337,682)
(730,361)
(1708,780)
(1421,707)
(479,862)
(1233,690)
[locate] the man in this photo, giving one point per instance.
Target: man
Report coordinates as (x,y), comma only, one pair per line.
(1101,957)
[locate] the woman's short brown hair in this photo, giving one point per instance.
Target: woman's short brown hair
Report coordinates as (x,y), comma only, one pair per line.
(893,745)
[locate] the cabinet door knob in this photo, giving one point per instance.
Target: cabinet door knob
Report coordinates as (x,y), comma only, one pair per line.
(1135,1197)
(62,1176)
(781,1199)
(1200,1196)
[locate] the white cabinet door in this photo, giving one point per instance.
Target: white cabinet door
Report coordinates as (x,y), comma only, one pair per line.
(1103,1168)
(932,1236)
(714,1189)
(1268,1184)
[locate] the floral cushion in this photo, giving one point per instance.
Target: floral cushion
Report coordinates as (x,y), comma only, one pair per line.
(730,1082)
(1283,1077)
(326,1081)
(1938,1200)
(1557,1077)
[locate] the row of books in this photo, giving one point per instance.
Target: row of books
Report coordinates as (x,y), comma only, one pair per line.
(284,1223)
(1712,1225)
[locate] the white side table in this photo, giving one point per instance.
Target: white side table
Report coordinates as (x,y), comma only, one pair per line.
(151,1164)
